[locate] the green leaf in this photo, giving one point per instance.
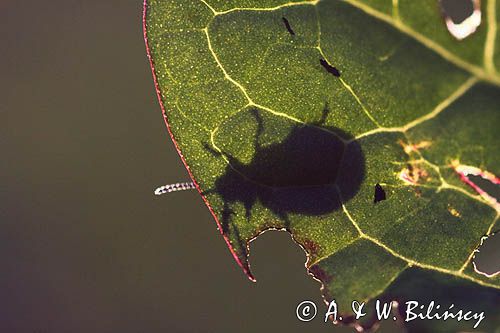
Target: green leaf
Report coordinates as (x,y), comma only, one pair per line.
(274,137)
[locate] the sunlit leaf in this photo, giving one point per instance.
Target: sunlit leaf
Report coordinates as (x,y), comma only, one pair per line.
(300,114)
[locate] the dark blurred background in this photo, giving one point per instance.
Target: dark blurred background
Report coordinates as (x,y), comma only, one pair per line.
(85,246)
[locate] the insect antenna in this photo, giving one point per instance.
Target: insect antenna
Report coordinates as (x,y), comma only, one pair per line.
(260,128)
(174,188)
(324,115)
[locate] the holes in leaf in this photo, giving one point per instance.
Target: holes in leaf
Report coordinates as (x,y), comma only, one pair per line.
(329,68)
(457,10)
(487,258)
(483,182)
(462,17)
(492,189)
(288,26)
(379,194)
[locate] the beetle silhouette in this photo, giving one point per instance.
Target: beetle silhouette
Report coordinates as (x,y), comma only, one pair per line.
(299,175)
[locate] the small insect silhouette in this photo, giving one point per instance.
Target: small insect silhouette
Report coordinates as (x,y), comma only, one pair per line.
(302,174)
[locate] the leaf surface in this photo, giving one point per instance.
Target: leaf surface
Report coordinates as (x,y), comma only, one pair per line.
(288,114)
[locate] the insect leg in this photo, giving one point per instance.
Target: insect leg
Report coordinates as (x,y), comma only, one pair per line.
(226,215)
(260,128)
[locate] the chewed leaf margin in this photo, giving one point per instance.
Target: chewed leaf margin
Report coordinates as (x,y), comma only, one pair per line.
(479,73)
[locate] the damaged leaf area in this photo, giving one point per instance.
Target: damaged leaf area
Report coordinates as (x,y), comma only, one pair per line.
(468,19)
(352,124)
(488,269)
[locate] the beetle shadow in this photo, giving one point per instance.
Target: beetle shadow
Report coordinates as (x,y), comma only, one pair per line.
(302,174)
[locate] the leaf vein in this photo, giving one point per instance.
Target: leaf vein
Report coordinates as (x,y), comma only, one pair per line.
(477,71)
(344,83)
(460,91)
(411,262)
(261,9)
(489,45)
